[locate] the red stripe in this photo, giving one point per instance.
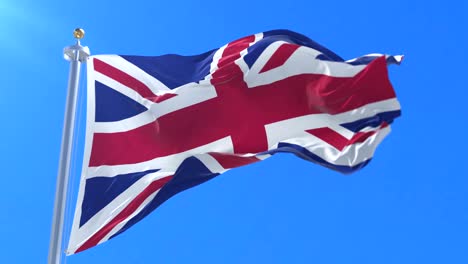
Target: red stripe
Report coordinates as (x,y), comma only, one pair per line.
(237,113)
(338,141)
(129,81)
(233,49)
(124,214)
(227,68)
(363,136)
(280,56)
(229,161)
(330,136)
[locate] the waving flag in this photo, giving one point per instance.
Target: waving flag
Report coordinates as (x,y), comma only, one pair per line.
(159,125)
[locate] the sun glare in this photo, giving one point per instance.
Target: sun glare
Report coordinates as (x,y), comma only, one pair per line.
(18,23)
(9,19)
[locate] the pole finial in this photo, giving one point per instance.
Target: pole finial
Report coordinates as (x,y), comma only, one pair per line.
(76,52)
(78,33)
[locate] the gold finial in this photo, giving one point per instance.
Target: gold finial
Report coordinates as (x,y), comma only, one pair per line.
(78,33)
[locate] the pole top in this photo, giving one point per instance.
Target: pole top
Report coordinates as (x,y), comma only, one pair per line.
(76,52)
(78,33)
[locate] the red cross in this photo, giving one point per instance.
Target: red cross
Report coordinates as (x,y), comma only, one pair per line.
(237,111)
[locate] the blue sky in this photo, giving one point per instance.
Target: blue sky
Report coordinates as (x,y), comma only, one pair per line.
(410,205)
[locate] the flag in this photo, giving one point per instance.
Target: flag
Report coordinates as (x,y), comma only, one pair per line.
(161,124)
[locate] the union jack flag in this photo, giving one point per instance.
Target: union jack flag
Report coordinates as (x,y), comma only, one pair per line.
(159,125)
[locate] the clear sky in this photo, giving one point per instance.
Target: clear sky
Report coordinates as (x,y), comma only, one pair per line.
(410,205)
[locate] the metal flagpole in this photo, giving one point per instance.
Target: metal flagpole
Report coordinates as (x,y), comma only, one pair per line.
(76,54)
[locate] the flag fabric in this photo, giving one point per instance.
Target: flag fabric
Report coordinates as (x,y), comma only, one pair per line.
(159,125)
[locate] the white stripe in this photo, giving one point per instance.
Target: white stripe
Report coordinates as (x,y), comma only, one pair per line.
(263,157)
(302,61)
(126,124)
(397,58)
(211,163)
(187,95)
(296,127)
(214,63)
(367,111)
(122,64)
(123,89)
(258,37)
(241,62)
(376,55)
(351,155)
(214,166)
(264,58)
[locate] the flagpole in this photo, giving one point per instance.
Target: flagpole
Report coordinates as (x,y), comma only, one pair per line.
(76,54)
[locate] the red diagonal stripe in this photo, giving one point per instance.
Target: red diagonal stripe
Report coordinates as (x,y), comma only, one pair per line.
(229,161)
(338,141)
(280,56)
(330,136)
(124,214)
(129,81)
